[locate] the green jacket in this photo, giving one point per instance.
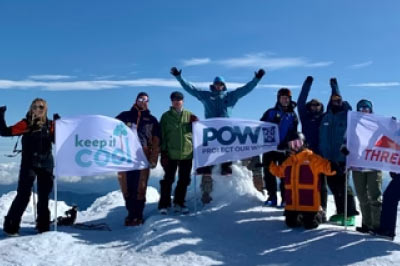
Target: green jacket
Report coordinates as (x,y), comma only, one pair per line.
(176,134)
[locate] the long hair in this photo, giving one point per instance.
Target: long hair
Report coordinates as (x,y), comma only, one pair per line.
(36,122)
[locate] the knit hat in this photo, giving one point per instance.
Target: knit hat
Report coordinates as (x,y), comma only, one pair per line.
(284,92)
(219,79)
(364,103)
(176,95)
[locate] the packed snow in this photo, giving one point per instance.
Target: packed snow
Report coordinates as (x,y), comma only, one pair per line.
(234,229)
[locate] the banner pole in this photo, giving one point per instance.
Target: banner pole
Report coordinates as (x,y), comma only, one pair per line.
(34,203)
(195,192)
(345,199)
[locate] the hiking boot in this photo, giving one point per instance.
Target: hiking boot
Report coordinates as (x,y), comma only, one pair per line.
(350,221)
(10,227)
(181,209)
(324,219)
(271,202)
(163,211)
(41,228)
(133,221)
(363,229)
(337,218)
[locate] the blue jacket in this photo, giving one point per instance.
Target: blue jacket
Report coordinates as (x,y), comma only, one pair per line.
(218,103)
(310,121)
(287,122)
(332,130)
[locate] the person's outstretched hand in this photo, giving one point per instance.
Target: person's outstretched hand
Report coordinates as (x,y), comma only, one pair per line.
(175,72)
(260,73)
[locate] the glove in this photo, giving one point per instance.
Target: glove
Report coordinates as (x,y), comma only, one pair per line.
(260,73)
(333,82)
(309,79)
(335,167)
(175,72)
(344,150)
(3,109)
(393,174)
(164,159)
(56,116)
(394,118)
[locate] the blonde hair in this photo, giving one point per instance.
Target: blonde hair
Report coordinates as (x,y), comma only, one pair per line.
(38,122)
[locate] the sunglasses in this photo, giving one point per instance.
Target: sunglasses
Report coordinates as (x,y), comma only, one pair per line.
(365,109)
(315,104)
(143,100)
(40,107)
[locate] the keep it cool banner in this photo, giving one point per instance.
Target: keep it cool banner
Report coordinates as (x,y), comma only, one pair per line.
(94,144)
(221,140)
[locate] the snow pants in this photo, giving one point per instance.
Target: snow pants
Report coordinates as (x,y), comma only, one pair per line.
(134,185)
(185,167)
(27,176)
(368,185)
(391,198)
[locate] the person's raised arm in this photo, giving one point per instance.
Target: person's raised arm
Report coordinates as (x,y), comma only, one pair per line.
(301,101)
(189,88)
(242,91)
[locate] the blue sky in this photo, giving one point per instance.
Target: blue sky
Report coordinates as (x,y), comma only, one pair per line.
(93,57)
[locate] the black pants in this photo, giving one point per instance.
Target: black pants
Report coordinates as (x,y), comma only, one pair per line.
(27,176)
(323,191)
(185,167)
(336,184)
(269,179)
(309,220)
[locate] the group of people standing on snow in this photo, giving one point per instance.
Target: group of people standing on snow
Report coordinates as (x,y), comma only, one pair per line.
(307,162)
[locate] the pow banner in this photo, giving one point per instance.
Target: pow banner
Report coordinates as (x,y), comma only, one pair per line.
(90,145)
(373,142)
(221,140)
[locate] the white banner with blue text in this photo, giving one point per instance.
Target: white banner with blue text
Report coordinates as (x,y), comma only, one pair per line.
(95,144)
(221,140)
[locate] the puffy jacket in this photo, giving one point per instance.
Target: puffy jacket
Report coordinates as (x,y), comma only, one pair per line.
(148,130)
(310,121)
(302,185)
(36,142)
(332,131)
(176,134)
(218,103)
(286,120)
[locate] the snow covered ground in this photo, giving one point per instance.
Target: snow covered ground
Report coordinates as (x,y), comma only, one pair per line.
(235,229)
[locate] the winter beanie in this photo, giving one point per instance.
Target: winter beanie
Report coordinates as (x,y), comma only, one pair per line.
(364,103)
(176,95)
(284,92)
(219,79)
(141,94)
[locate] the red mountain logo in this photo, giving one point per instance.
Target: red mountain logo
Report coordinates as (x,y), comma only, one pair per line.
(385,142)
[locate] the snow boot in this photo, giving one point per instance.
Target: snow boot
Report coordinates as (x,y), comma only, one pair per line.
(11,227)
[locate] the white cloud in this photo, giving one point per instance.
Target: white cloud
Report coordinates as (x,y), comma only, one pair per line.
(319,64)
(86,84)
(49,77)
(269,62)
(361,65)
(376,84)
(196,61)
(9,173)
